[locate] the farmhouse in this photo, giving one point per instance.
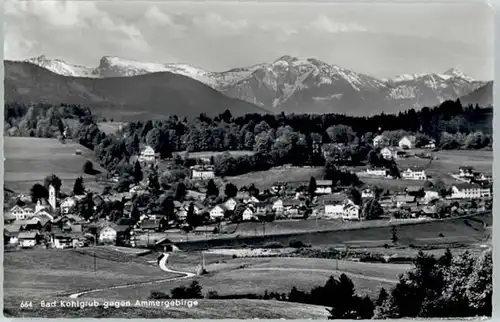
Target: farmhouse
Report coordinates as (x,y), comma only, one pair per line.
(202,172)
(367,193)
(217,212)
(381,172)
(407,142)
(400,155)
(323,187)
(469,191)
(430,145)
(147,154)
(431,195)
(351,212)
(466,172)
(387,153)
(379,141)
(107,235)
(248,214)
(230,204)
(28,239)
(250,200)
(278,187)
(21,213)
(278,206)
(67,205)
(414,174)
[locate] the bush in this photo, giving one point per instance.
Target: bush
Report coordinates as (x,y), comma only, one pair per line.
(294,243)
(156,295)
(88,167)
(273,245)
(212,295)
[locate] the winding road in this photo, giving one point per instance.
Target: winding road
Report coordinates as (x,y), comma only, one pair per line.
(162,263)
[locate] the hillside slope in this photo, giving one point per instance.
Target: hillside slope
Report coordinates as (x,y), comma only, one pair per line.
(482,96)
(137,97)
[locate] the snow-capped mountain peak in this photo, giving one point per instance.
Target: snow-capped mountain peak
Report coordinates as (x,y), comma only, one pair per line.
(456,72)
(60,67)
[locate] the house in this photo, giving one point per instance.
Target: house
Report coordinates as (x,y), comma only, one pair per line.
(387,153)
(278,187)
(67,205)
(469,191)
(323,187)
(19,212)
(150,225)
(10,237)
(107,235)
(430,145)
(291,204)
(351,212)
(248,214)
(251,200)
(415,173)
(217,212)
(63,240)
(278,206)
(414,191)
(466,172)
(379,141)
(367,193)
(230,204)
(381,172)
(181,214)
(261,208)
(147,154)
(431,195)
(28,239)
(407,142)
(137,190)
(402,200)
(202,172)
(334,210)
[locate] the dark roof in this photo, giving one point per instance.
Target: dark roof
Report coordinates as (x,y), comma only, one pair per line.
(461,186)
(292,202)
(27,235)
(149,224)
(466,168)
(324,182)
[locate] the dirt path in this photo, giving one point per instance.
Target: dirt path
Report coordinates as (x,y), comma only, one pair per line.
(378,279)
(163,267)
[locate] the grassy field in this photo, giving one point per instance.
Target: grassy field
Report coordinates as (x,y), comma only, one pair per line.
(265,179)
(41,272)
(30,160)
(446,162)
(256,275)
(211,309)
(109,127)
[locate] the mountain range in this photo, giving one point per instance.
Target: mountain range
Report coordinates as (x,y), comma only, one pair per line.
(143,97)
(295,85)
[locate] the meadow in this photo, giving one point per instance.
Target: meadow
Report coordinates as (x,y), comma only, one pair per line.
(237,276)
(110,127)
(265,179)
(41,272)
(209,154)
(30,160)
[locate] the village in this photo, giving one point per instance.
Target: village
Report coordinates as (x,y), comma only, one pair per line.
(56,221)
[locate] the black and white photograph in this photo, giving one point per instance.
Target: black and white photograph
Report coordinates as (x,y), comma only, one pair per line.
(248,159)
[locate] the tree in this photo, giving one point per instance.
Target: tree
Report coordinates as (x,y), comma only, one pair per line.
(382,297)
(212,190)
(78,187)
(372,209)
(394,234)
(180,191)
(38,192)
(312,186)
(191,216)
(373,158)
(88,167)
(341,134)
(479,288)
(54,181)
(230,190)
(356,196)
(138,175)
(153,182)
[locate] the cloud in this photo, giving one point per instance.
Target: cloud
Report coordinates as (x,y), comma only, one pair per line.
(216,24)
(327,25)
(158,17)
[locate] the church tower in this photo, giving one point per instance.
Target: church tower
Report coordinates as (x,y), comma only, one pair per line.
(52,197)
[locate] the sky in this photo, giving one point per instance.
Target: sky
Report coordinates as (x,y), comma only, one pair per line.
(381,40)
